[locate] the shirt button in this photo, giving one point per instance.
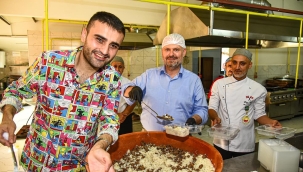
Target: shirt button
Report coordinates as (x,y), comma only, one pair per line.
(169,91)
(166,102)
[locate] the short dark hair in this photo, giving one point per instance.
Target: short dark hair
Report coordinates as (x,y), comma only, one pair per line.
(108,18)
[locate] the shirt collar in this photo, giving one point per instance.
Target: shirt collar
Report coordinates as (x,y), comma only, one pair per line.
(162,71)
(70,63)
(95,78)
(234,79)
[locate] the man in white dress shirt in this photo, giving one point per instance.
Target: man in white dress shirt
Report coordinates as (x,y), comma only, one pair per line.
(124,110)
(238,101)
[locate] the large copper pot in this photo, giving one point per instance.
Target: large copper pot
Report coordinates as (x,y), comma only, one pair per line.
(189,143)
(283,82)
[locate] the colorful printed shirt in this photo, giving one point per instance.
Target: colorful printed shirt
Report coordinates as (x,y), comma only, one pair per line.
(67,113)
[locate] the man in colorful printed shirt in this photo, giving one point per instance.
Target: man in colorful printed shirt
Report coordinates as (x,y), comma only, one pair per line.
(72,89)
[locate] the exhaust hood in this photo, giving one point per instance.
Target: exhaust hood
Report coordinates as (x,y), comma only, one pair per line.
(229,29)
(135,41)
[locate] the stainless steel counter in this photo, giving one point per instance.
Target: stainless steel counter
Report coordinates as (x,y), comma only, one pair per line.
(245,163)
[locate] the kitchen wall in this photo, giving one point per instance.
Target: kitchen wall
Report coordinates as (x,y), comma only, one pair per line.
(16,63)
(287,4)
(58,41)
(138,61)
(274,62)
(215,54)
(271,62)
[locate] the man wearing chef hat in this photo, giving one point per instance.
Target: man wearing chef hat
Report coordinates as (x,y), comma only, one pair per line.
(238,101)
(124,110)
(227,72)
(169,89)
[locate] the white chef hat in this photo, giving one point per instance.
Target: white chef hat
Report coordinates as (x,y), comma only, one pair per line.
(174,38)
(243,52)
(228,59)
(118,59)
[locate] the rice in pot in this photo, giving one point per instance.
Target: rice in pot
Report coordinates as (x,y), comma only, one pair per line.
(165,158)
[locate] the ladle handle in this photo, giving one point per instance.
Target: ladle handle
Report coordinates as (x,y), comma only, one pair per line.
(150,108)
(5,136)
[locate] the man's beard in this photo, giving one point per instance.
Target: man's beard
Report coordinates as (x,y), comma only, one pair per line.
(88,56)
(239,74)
(172,63)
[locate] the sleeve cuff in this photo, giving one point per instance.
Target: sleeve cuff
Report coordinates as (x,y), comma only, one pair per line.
(11,101)
(127,100)
(111,132)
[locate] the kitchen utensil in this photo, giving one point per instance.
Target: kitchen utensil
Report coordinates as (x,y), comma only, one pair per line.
(193,145)
(5,136)
(286,81)
(164,117)
(274,82)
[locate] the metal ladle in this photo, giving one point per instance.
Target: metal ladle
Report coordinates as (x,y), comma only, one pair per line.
(164,117)
(16,169)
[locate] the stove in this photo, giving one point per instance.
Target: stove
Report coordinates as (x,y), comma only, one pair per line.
(299,96)
(281,104)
